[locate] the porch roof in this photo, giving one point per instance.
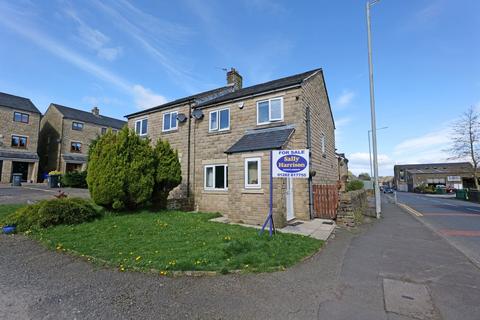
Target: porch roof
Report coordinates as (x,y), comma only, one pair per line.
(262,139)
(74,158)
(21,156)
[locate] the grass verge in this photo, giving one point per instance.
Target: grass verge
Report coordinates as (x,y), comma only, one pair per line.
(6,209)
(176,241)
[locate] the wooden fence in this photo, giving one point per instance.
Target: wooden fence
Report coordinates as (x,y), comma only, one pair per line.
(325,201)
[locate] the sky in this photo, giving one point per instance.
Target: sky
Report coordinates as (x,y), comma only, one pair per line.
(124,56)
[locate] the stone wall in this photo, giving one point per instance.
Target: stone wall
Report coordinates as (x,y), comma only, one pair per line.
(351,202)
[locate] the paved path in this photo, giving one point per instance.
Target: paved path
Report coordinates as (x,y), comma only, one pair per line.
(458,221)
(396,264)
(30,192)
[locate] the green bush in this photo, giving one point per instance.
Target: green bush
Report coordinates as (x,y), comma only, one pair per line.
(168,173)
(75,179)
(354,185)
(54,212)
(121,171)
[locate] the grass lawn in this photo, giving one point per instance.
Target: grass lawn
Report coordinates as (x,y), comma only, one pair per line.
(172,240)
(6,209)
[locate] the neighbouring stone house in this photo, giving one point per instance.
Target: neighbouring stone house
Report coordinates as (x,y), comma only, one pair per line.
(19,127)
(66,134)
(224,138)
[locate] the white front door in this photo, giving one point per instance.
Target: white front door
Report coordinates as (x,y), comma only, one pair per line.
(289,199)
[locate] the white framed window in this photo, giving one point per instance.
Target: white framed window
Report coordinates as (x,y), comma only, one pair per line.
(253,173)
(141,127)
(322,142)
(170,121)
(219,120)
(269,110)
(78,126)
(216,177)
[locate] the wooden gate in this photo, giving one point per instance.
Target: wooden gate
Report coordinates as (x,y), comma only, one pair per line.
(325,201)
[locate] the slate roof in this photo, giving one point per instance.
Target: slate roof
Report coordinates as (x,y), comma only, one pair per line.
(262,139)
(7,154)
(199,97)
(434,166)
(16,102)
(294,80)
(84,116)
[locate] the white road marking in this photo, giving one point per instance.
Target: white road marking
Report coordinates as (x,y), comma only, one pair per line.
(476,210)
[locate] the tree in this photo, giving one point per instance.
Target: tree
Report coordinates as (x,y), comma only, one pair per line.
(168,173)
(466,140)
(351,176)
(364,176)
(121,171)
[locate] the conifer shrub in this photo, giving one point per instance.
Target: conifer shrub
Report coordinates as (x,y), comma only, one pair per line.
(168,173)
(121,170)
(75,179)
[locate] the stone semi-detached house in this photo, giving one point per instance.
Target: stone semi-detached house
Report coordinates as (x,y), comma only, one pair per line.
(224,138)
(19,126)
(66,134)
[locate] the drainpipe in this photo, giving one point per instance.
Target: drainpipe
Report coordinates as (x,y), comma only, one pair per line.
(309,147)
(60,142)
(188,148)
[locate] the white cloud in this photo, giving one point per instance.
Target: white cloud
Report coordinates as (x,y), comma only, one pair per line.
(433,140)
(345,99)
(94,39)
(359,162)
(145,98)
(141,96)
(342,122)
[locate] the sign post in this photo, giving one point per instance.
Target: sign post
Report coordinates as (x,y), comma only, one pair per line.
(285,164)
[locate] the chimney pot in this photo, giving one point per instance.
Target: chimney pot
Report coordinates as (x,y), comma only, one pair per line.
(234,78)
(96,111)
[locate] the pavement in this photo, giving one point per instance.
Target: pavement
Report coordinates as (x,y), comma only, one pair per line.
(320,229)
(394,268)
(31,192)
(455,220)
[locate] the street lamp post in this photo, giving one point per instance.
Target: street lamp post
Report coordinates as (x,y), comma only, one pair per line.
(370,150)
(378,208)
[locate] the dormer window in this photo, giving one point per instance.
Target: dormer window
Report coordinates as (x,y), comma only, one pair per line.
(270,110)
(77,126)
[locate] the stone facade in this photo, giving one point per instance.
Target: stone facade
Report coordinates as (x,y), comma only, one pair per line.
(30,130)
(351,202)
(57,135)
(208,148)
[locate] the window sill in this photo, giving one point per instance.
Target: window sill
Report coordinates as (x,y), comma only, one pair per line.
(214,133)
(253,191)
(271,124)
(169,131)
(222,192)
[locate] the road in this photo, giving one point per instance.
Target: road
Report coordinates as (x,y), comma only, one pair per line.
(394,268)
(457,221)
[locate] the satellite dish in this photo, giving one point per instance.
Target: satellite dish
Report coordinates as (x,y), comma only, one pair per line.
(197,114)
(181,117)
(240,105)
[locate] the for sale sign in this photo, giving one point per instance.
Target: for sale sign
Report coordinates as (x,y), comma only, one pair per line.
(290,164)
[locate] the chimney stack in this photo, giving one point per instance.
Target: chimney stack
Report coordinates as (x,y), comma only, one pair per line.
(234,78)
(96,111)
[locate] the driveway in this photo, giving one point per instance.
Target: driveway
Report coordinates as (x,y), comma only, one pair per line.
(395,268)
(30,192)
(456,220)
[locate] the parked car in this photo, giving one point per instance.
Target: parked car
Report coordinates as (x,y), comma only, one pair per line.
(387,190)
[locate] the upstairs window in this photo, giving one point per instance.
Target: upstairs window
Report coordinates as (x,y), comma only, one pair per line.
(220,120)
(78,126)
(253,173)
(20,117)
(76,147)
(19,142)
(216,177)
(141,127)
(269,110)
(170,121)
